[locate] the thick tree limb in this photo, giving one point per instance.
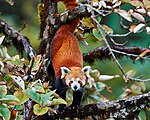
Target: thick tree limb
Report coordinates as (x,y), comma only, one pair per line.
(47,26)
(83,10)
(17,38)
(119,109)
(103,52)
(78,12)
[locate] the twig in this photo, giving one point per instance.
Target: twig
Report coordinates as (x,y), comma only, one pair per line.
(119,51)
(120,35)
(30,67)
(111,52)
(117,44)
(23,27)
(121,23)
(18,37)
(130,55)
(100,12)
(107,44)
(28,110)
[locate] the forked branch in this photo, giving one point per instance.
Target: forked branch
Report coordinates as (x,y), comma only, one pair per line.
(119,51)
(100,28)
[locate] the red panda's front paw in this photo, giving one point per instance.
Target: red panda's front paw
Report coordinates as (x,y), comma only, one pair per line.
(73,106)
(61,109)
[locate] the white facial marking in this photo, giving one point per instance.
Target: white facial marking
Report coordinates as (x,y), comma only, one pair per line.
(75,86)
(67,82)
(83,81)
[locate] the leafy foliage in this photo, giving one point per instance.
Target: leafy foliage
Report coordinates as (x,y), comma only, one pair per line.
(21,79)
(16,90)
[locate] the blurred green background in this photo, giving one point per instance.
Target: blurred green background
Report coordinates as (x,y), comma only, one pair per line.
(22,12)
(25,12)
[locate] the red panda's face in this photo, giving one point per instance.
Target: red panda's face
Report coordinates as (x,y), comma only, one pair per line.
(76,77)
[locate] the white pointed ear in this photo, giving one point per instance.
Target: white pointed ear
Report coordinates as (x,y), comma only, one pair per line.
(86,70)
(64,71)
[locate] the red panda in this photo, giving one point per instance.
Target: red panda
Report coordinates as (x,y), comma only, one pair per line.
(67,60)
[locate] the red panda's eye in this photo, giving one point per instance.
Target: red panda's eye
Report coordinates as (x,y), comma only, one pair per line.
(70,83)
(80,82)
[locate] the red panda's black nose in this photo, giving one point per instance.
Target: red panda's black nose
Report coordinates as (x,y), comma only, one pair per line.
(75,87)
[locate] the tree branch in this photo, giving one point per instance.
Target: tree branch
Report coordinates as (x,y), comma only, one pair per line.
(78,12)
(119,109)
(18,38)
(47,11)
(103,52)
(120,51)
(83,10)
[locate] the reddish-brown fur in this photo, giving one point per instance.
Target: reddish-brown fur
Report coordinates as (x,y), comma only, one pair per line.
(66,51)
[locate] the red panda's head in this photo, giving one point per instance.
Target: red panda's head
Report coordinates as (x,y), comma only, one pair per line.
(75,77)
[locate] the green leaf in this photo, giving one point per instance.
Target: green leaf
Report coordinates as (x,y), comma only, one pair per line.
(38,87)
(8,78)
(21,96)
(98,18)
(16,60)
(33,95)
(123,95)
(3,90)
(97,34)
(142,115)
(135,89)
(87,22)
(141,85)
(58,101)
(47,98)
(100,86)
(146,3)
(19,117)
(130,73)
(37,61)
(9,98)
(90,38)
(4,112)
(4,54)
(18,107)
(95,98)
(38,110)
(107,29)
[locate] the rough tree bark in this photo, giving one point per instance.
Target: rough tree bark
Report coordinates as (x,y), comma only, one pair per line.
(118,109)
(17,38)
(120,51)
(126,108)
